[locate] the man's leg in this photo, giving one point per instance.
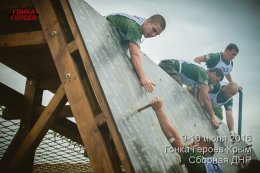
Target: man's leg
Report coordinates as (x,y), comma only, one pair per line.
(170,67)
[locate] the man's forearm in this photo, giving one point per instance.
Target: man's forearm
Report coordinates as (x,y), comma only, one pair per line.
(208,107)
(204,98)
(229,78)
(168,130)
(230,119)
(199,59)
(137,63)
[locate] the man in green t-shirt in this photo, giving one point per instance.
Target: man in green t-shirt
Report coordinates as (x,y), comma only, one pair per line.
(131,28)
(221,60)
(194,76)
(188,153)
(214,99)
(223,96)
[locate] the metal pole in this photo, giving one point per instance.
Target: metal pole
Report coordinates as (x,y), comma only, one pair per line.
(240,112)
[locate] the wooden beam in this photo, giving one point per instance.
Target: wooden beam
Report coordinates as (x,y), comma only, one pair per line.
(33,98)
(39,129)
(65,112)
(14,114)
(22,39)
(120,148)
(18,67)
(80,105)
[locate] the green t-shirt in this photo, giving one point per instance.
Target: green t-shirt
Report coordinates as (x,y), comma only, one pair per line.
(212,60)
(189,159)
(195,73)
(130,29)
(221,98)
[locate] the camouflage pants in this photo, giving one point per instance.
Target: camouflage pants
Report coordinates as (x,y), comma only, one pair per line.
(171,67)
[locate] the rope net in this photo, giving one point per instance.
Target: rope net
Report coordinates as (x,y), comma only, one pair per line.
(55,153)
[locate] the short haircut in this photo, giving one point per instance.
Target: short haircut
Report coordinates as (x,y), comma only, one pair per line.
(232,46)
(157,18)
(232,86)
(218,72)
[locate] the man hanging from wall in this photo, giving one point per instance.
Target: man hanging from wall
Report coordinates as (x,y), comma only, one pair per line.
(194,76)
(221,95)
(131,28)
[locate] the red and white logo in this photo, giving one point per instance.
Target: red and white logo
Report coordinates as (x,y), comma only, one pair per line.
(24,14)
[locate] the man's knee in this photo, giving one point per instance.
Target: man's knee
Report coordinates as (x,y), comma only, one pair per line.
(177,78)
(170,68)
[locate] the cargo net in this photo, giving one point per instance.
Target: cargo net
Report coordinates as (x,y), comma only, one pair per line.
(55,153)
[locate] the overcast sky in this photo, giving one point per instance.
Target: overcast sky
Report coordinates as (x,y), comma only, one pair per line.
(198,27)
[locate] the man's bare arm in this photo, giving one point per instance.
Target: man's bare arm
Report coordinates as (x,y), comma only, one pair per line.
(229,78)
(169,131)
(230,120)
(206,102)
(137,63)
(200,59)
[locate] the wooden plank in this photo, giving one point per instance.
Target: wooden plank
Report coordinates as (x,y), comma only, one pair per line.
(90,134)
(22,39)
(33,98)
(31,61)
(18,67)
(65,112)
(39,129)
(14,114)
(120,148)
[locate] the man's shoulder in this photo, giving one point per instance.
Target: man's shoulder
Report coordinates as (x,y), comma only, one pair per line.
(228,105)
(119,18)
(213,56)
(124,18)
